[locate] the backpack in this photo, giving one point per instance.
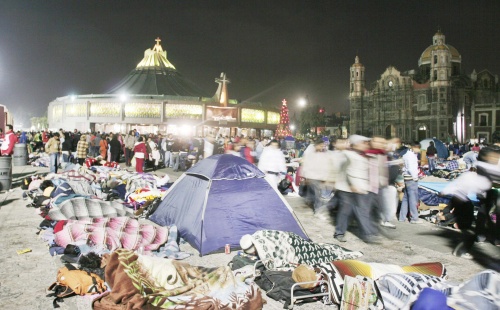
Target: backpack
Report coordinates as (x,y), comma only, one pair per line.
(71,281)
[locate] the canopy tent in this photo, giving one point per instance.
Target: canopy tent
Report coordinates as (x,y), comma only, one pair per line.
(219,200)
(442,151)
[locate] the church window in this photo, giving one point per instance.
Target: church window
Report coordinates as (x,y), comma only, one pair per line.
(442,123)
(352,87)
(434,77)
(435,59)
(421,103)
(357,73)
(485,83)
(352,73)
(483,119)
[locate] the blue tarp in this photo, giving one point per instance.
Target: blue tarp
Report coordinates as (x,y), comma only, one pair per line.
(439,186)
(221,199)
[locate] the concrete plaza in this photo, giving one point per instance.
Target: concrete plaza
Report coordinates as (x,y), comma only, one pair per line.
(24,278)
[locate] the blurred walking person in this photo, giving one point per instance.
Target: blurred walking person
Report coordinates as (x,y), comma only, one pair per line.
(272,162)
(317,170)
(379,182)
(352,191)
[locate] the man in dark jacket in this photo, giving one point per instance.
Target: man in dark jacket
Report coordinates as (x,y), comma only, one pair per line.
(431,156)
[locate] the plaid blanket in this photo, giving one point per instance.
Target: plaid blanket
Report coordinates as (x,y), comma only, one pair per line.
(280,250)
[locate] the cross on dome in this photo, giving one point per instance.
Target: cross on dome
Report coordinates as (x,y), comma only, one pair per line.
(157,47)
(284,101)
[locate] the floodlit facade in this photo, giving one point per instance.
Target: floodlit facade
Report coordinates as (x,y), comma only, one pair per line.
(155,97)
(436,100)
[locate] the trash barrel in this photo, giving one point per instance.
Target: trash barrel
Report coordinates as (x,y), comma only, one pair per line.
(5,173)
(20,156)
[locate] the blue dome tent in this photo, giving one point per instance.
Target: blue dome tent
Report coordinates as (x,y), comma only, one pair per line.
(219,200)
(442,151)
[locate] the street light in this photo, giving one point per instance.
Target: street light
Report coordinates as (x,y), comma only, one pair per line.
(302,102)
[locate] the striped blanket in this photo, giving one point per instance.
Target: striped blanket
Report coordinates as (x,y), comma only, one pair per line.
(84,208)
(114,233)
(335,272)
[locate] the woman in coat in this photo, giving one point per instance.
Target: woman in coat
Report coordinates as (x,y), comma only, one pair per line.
(114,149)
(103,147)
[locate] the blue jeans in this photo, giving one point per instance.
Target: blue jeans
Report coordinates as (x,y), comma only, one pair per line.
(432,163)
(54,162)
(360,206)
(410,201)
(175,159)
(167,159)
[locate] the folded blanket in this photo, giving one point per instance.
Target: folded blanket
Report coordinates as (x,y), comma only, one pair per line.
(140,283)
(114,233)
(280,250)
(84,208)
(335,272)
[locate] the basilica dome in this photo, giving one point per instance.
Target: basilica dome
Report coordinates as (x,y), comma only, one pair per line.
(439,45)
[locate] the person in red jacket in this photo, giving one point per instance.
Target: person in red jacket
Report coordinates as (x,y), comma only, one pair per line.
(9,142)
(140,153)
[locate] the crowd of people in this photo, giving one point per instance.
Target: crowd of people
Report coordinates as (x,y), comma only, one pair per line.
(360,177)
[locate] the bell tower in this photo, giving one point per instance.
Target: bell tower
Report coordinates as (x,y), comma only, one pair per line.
(357,79)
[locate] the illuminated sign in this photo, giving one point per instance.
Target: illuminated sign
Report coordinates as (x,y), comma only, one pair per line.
(222,114)
(252,116)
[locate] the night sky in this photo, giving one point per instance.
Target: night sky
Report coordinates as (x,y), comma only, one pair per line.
(270,50)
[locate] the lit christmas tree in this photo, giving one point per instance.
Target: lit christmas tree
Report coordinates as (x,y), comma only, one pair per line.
(283,127)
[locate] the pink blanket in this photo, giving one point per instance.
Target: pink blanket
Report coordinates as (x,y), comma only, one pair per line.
(116,232)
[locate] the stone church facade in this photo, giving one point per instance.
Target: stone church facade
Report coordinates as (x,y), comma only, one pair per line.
(435,100)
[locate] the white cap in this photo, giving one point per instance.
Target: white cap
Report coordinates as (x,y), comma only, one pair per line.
(356,139)
(246,242)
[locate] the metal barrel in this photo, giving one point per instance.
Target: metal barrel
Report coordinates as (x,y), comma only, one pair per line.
(5,173)
(20,156)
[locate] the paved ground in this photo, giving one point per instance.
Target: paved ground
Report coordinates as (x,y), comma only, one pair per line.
(24,278)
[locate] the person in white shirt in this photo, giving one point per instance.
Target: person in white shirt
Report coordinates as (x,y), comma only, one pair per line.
(410,192)
(272,162)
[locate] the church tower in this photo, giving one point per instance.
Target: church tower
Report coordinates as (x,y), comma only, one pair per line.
(357,79)
(440,72)
(356,102)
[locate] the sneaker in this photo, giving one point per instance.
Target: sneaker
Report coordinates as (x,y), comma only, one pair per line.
(373,239)
(387,224)
(466,256)
(419,221)
(340,238)
(322,216)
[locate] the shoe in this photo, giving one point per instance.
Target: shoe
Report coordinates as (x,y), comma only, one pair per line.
(466,256)
(322,216)
(373,239)
(340,238)
(497,242)
(387,224)
(419,221)
(402,221)
(481,239)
